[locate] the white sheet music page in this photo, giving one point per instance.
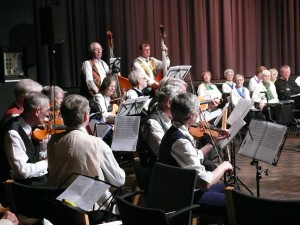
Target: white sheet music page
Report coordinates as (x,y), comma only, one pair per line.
(84,192)
(233,130)
(263,140)
(126,133)
(240,110)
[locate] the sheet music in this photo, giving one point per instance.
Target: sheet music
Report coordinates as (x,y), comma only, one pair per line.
(178,71)
(263,140)
(240,110)
(126,133)
(102,129)
(92,125)
(208,116)
(84,192)
(133,106)
(220,116)
(233,130)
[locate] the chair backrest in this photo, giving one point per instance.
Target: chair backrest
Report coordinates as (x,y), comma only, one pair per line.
(39,202)
(244,209)
(171,188)
(137,215)
(142,174)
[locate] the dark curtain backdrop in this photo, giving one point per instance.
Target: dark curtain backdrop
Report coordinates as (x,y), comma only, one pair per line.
(207,34)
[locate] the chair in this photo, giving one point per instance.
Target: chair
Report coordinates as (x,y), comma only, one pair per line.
(246,209)
(39,202)
(170,189)
(137,215)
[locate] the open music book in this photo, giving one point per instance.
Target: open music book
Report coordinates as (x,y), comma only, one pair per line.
(126,133)
(233,130)
(263,141)
(83,193)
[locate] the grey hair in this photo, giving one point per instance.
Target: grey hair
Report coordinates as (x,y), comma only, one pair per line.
(134,76)
(274,70)
(228,71)
(48,90)
(168,92)
(183,106)
(35,100)
(239,75)
(265,72)
(26,86)
(91,47)
(73,108)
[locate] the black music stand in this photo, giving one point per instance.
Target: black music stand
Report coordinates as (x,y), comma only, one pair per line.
(133,107)
(114,65)
(179,72)
(263,142)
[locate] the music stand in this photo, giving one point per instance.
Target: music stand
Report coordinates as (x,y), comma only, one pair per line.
(114,65)
(264,142)
(133,106)
(178,72)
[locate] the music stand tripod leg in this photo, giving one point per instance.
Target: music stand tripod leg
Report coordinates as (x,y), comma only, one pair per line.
(236,180)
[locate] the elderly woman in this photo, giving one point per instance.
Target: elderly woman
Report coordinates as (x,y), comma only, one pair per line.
(229,85)
(274,74)
(177,149)
(207,90)
(265,93)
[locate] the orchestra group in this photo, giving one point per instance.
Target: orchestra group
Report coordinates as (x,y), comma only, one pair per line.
(169,113)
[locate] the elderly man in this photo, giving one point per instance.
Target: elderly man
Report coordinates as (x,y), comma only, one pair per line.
(21,157)
(94,71)
(75,151)
(177,149)
(138,81)
(22,88)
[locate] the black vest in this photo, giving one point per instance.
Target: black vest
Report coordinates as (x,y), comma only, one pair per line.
(165,148)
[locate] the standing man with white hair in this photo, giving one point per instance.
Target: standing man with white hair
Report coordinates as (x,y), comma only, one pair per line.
(94,71)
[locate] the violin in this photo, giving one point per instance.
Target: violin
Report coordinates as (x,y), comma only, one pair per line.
(201,129)
(48,127)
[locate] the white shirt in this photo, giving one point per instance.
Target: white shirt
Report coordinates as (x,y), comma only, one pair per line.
(104,103)
(156,131)
(257,96)
(235,96)
(132,93)
(138,62)
(209,93)
(253,82)
(102,68)
(15,150)
(189,157)
(228,86)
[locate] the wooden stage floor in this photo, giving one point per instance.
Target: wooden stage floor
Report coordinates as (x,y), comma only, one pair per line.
(282,181)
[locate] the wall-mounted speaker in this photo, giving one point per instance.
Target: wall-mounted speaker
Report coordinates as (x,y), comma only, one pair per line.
(52,25)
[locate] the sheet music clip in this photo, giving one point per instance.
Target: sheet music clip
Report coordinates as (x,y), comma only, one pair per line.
(114,65)
(178,72)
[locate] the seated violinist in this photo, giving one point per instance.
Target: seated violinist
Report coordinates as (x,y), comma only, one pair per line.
(207,90)
(177,149)
(21,157)
(22,88)
(55,95)
(104,99)
(138,82)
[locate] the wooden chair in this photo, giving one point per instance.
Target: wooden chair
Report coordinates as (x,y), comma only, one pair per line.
(244,209)
(39,202)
